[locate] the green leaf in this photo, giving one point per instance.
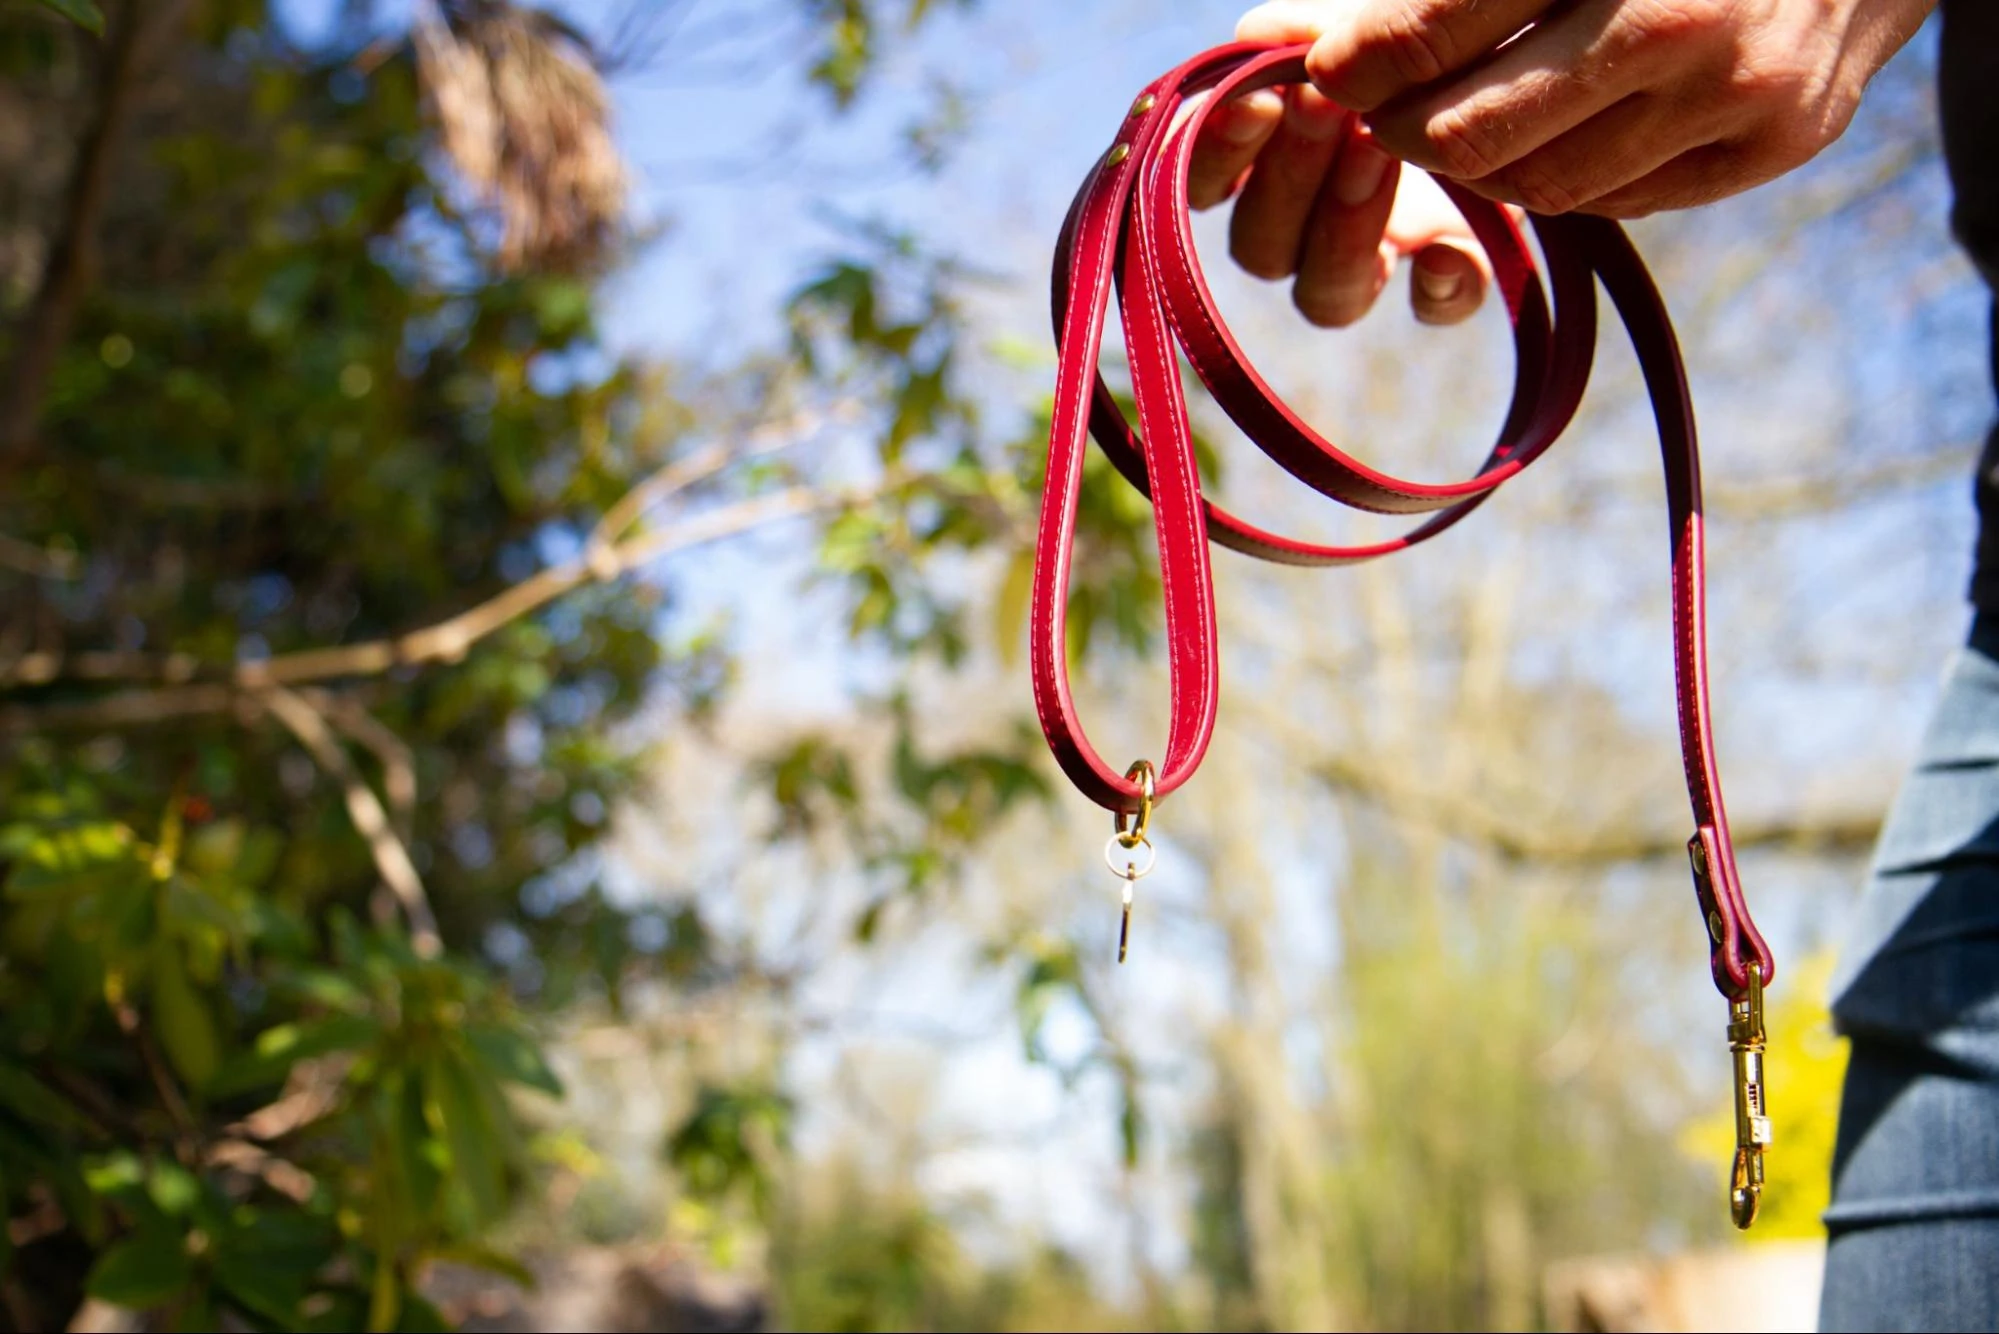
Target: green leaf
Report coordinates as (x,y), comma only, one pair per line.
(513,1056)
(563,307)
(83,13)
(115,1172)
(266,1259)
(214,849)
(298,1042)
(198,1316)
(325,987)
(173,1188)
(71,857)
(420,1317)
(488,1259)
(282,1046)
(183,1021)
(283,1239)
(270,1292)
(458,1113)
(1010,608)
(145,1270)
(62,1170)
(386,1296)
(33,1101)
(408,1149)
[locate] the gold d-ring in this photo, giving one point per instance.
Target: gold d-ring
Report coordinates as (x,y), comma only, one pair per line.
(1141,774)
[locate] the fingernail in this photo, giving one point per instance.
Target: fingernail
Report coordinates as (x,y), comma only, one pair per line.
(1357,175)
(1249,117)
(1438,287)
(1310,114)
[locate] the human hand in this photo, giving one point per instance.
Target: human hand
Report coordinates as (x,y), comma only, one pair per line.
(1617,107)
(1321,204)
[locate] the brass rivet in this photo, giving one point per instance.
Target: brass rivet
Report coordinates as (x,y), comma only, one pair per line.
(1119,154)
(1145,103)
(1714,926)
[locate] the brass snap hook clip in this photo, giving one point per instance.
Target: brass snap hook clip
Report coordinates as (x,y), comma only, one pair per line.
(1752,1113)
(1127,840)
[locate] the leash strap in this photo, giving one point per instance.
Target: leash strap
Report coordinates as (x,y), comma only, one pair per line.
(1130,227)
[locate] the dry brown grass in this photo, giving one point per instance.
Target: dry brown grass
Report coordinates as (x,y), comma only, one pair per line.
(524,117)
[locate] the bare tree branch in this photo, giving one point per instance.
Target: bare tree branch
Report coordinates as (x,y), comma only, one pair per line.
(1811,494)
(1798,495)
(130,708)
(1507,836)
(446,641)
(178,695)
(40,562)
(282,1175)
(159,491)
(72,263)
(312,1091)
(390,751)
(392,858)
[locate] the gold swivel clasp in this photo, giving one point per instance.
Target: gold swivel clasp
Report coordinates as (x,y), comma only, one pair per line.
(1125,841)
(1752,1112)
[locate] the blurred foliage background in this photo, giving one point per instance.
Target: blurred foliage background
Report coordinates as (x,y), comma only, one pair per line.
(480,789)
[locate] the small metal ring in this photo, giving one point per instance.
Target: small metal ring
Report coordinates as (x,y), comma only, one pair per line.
(1116,850)
(1141,774)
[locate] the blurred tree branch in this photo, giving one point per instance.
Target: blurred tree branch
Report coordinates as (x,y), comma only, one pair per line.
(1514,839)
(40,562)
(126,709)
(72,261)
(604,559)
(1790,497)
(1785,497)
(364,808)
(398,763)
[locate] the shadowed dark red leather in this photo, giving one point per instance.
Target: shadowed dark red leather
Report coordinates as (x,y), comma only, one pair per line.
(1130,226)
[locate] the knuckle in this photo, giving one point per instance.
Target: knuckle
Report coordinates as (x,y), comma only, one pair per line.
(1787,82)
(1795,112)
(1463,142)
(1786,147)
(1676,22)
(1779,148)
(1766,79)
(1622,210)
(1416,44)
(1539,191)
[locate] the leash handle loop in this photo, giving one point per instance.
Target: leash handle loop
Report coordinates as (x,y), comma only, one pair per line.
(1129,230)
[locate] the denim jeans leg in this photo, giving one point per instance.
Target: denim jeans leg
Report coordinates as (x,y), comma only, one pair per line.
(1914,1221)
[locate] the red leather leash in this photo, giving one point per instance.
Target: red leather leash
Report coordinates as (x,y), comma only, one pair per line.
(1130,225)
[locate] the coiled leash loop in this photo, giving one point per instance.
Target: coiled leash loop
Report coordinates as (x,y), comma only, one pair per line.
(1130,226)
